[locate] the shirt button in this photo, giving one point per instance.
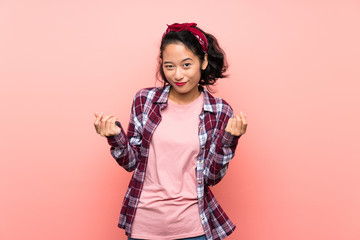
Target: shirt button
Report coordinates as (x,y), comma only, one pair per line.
(203,147)
(201,161)
(199,182)
(200,128)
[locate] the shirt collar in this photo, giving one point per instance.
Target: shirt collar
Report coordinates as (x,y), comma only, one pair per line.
(209,101)
(162,95)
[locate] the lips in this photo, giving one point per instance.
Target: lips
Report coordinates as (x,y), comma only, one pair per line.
(180,83)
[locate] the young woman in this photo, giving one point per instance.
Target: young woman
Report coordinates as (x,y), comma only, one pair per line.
(179,142)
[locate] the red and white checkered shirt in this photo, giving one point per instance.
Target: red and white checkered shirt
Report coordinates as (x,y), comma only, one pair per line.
(217,148)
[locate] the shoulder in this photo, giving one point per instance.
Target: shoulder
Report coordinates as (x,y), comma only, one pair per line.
(147,94)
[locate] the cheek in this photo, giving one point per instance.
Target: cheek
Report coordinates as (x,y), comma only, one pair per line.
(167,74)
(196,73)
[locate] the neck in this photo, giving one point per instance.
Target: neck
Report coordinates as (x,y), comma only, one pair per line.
(183,99)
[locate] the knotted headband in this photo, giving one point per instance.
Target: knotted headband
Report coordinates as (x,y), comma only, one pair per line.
(177,27)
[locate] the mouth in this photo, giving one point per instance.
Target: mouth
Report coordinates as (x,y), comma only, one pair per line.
(180,83)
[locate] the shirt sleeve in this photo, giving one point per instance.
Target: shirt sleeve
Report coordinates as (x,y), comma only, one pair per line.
(125,149)
(222,149)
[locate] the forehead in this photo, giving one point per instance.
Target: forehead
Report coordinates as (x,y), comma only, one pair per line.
(177,52)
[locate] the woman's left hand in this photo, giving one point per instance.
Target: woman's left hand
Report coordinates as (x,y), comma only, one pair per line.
(236,126)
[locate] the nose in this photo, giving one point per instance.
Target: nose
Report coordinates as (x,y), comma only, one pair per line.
(178,74)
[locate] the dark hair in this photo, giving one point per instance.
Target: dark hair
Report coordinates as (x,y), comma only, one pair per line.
(217,64)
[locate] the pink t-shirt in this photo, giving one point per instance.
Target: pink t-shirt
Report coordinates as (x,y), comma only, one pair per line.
(168,205)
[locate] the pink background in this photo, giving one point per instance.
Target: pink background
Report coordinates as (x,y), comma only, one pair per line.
(295,71)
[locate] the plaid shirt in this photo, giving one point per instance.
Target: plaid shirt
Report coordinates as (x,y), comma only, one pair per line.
(217,148)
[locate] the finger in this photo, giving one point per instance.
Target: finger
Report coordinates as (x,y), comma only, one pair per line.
(244,121)
(238,125)
(111,128)
(97,120)
(97,117)
(100,115)
(103,124)
(233,124)
(117,129)
(243,117)
(104,120)
(107,124)
(111,125)
(229,125)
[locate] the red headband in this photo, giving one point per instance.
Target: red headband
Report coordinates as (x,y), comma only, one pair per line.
(177,27)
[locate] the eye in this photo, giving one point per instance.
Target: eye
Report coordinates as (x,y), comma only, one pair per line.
(187,65)
(169,66)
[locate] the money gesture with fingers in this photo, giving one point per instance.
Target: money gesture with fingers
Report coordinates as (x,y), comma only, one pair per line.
(236,126)
(105,125)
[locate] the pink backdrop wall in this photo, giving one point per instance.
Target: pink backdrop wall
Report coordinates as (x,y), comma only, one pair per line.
(295,72)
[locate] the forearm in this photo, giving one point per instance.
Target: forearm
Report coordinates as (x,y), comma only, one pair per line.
(123,151)
(220,154)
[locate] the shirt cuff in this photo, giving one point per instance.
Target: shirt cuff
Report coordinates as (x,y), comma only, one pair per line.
(117,140)
(228,139)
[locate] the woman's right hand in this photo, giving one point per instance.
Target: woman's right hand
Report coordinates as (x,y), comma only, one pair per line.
(105,125)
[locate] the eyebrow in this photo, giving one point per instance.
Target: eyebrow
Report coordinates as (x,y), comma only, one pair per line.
(181,61)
